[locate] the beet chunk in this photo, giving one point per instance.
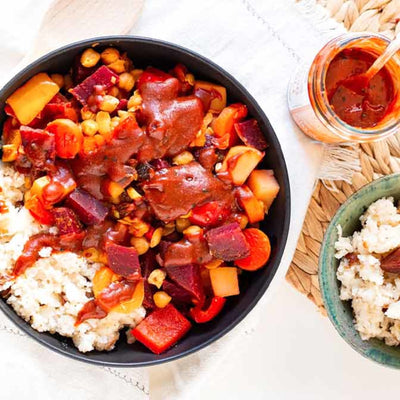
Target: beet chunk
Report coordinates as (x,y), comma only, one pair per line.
(149,290)
(251,134)
(66,220)
(148,263)
(391,263)
(39,145)
(123,260)
(103,76)
(228,242)
(187,277)
(179,295)
(89,210)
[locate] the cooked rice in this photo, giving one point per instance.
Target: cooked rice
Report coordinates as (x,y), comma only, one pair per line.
(375,294)
(50,294)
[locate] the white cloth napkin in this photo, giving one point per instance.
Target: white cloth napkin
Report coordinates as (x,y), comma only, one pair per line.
(260,42)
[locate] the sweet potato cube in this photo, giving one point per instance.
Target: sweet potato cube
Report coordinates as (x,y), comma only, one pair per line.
(227,242)
(218,103)
(28,100)
(224,281)
(240,162)
(264,186)
(253,207)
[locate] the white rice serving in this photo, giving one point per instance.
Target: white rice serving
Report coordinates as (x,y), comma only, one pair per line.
(374,294)
(50,294)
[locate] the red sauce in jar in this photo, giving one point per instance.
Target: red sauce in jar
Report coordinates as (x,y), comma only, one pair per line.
(364,106)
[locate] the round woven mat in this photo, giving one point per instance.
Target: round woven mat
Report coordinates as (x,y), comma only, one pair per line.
(377,159)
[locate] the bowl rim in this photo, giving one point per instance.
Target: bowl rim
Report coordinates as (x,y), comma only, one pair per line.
(326,292)
(99,40)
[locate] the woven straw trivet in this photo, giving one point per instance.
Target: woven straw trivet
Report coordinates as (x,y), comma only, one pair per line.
(377,159)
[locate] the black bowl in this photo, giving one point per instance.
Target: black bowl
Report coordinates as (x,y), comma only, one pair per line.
(145,52)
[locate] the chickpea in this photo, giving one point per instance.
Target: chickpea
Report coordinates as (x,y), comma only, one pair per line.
(89,127)
(109,55)
(103,120)
(108,103)
(126,81)
(90,58)
(117,66)
(161,299)
(141,245)
(113,91)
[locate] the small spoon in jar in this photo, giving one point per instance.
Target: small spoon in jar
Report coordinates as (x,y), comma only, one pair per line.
(358,83)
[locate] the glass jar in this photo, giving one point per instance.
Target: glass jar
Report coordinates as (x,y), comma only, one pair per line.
(308,100)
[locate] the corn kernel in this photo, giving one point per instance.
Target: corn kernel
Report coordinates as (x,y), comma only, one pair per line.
(109,55)
(156,237)
(137,227)
(90,58)
(161,299)
(189,78)
(133,194)
(58,79)
(113,91)
(134,101)
(193,230)
(243,221)
(68,82)
(87,114)
(10,152)
(103,120)
(168,230)
(89,127)
(115,189)
(136,73)
(95,255)
(39,184)
(28,182)
(108,103)
(183,158)
(213,264)
(115,122)
(140,244)
(157,277)
(126,81)
(117,66)
(182,224)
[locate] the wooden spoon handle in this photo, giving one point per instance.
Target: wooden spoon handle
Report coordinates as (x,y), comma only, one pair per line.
(67,21)
(379,63)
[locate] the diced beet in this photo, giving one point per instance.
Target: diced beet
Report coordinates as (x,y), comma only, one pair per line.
(122,105)
(103,76)
(89,210)
(148,263)
(39,145)
(251,134)
(148,301)
(66,220)
(161,329)
(159,163)
(187,252)
(187,277)
(123,260)
(79,72)
(391,263)
(228,242)
(179,294)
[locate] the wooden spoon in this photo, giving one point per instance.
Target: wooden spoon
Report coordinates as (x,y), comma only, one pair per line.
(67,21)
(359,83)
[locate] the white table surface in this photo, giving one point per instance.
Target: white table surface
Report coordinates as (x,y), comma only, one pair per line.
(295,352)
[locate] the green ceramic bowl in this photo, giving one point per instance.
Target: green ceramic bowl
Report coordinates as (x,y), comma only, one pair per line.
(340,312)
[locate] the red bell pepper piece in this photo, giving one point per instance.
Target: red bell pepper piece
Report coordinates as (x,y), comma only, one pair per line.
(162,329)
(152,75)
(210,214)
(215,307)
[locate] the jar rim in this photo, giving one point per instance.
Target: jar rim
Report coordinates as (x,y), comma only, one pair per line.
(319,99)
